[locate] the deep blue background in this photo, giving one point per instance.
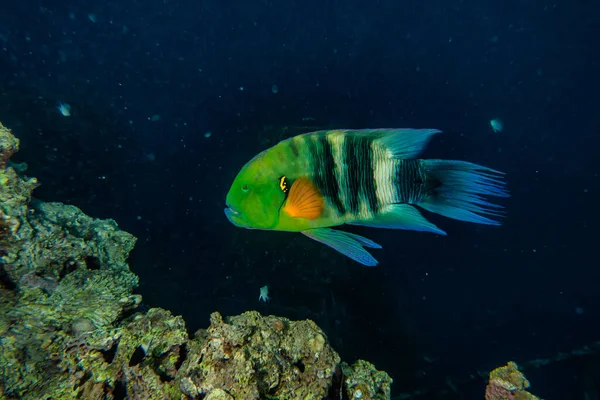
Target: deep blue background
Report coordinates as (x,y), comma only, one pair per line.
(435,308)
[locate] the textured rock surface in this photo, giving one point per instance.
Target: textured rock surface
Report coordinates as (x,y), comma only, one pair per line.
(508,383)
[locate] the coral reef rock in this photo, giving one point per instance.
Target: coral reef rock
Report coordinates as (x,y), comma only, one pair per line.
(508,383)
(69,328)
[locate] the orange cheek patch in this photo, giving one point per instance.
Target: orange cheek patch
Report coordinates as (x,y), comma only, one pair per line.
(304,200)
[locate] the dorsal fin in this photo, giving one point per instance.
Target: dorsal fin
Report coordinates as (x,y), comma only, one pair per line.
(406,143)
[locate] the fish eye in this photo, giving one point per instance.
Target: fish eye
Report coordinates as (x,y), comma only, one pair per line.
(245,188)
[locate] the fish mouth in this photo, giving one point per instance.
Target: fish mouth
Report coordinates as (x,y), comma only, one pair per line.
(234,216)
(231,209)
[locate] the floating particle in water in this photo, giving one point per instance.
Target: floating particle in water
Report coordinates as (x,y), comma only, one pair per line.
(579,311)
(241,88)
(497,125)
(208,134)
(92,17)
(274,89)
(155,118)
(64,109)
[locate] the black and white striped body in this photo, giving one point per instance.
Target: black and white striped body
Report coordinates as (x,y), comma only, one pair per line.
(357,175)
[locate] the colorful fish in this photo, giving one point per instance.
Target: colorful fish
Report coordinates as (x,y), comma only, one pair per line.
(497,125)
(64,109)
(371,177)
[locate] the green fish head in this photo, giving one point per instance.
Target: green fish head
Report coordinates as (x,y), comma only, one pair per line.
(255,197)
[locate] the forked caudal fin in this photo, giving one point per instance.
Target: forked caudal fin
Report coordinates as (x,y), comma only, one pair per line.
(462,191)
(461,187)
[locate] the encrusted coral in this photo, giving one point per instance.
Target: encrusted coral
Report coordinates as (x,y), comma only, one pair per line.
(70,330)
(256,357)
(59,268)
(363,381)
(9,144)
(508,383)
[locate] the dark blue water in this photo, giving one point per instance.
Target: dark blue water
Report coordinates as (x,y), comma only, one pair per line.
(147,80)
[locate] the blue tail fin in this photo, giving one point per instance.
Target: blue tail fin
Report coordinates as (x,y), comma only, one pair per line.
(462,191)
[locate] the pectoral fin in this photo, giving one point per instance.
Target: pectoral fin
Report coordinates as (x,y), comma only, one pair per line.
(348,244)
(304,200)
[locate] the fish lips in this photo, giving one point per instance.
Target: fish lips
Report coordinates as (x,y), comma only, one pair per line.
(234,216)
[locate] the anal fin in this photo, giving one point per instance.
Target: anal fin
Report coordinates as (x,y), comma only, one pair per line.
(401,216)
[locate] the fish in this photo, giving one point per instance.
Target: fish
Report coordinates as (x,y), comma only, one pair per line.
(264,294)
(64,109)
(315,181)
(497,125)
